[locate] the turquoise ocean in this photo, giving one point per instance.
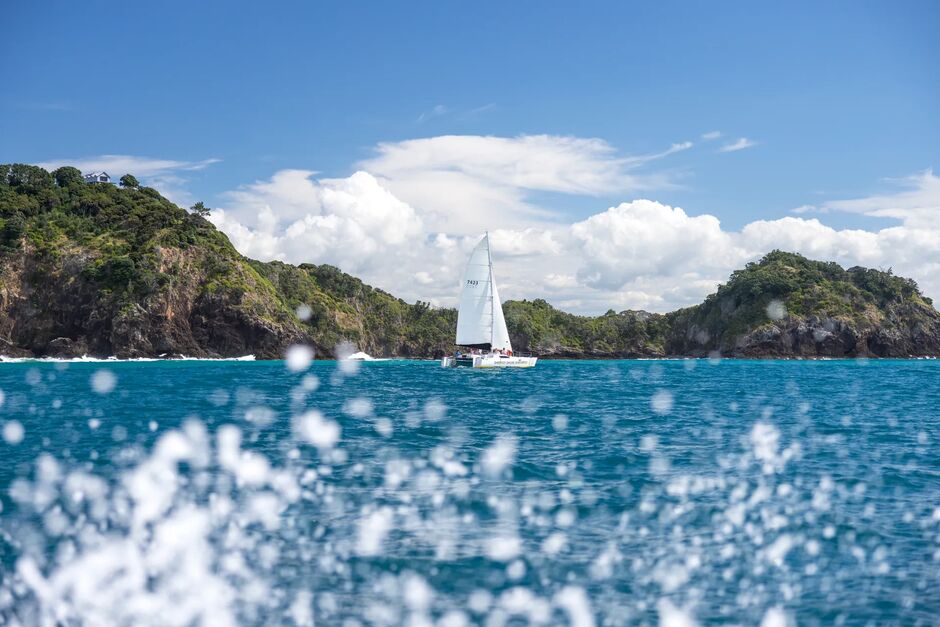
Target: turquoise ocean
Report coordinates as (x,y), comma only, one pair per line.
(397,492)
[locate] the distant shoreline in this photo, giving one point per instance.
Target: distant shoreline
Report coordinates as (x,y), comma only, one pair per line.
(251,358)
(94,269)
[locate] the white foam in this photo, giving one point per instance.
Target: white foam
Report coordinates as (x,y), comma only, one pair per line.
(112,359)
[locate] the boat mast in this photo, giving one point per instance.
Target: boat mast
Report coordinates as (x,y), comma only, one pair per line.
(489,260)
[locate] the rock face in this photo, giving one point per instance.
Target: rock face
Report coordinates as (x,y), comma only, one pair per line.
(817,337)
(91,269)
(48,307)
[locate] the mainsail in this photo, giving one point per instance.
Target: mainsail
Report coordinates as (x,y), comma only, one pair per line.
(480,321)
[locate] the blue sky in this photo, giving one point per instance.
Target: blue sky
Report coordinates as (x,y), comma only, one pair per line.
(837,98)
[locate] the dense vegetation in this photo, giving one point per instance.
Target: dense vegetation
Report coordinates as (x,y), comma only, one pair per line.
(343,308)
(87,256)
(537,327)
(123,229)
(100,269)
(817,303)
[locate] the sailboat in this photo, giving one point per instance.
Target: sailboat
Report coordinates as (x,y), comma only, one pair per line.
(481,327)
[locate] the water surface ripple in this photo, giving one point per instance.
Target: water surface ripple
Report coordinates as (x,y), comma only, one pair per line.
(586,492)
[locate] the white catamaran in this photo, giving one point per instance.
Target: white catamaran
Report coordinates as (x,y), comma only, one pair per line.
(481,327)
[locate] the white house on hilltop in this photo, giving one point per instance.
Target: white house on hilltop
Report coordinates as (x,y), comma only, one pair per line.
(97,177)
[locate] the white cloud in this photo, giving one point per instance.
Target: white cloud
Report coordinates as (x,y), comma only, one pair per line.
(353,223)
(358,225)
(436,111)
(644,254)
(664,258)
(478,111)
(561,281)
(468,183)
(528,241)
(407,226)
(441,110)
(118,165)
(739,144)
(808,209)
(640,254)
(162,174)
(813,239)
(424,278)
(671,150)
(711,135)
(917,205)
(172,186)
(643,238)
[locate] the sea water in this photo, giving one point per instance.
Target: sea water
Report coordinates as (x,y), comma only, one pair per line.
(398,492)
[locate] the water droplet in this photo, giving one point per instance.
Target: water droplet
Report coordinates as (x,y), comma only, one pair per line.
(299,357)
(103,381)
(13,432)
(662,402)
(304,312)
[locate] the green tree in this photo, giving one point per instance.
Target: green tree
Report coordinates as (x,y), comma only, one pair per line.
(200,209)
(128,180)
(67,175)
(27,179)
(12,230)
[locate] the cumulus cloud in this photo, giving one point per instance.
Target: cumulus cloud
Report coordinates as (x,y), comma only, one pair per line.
(353,222)
(663,257)
(358,225)
(408,220)
(643,237)
(528,241)
(739,144)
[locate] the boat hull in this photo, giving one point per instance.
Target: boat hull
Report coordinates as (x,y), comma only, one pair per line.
(489,361)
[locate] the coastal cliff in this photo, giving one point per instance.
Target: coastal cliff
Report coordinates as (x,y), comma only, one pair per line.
(90,268)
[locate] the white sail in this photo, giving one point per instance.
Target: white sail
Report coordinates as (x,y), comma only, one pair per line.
(475,312)
(480,314)
(500,332)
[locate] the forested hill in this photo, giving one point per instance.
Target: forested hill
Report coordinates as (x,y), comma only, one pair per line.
(96,269)
(92,268)
(785,305)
